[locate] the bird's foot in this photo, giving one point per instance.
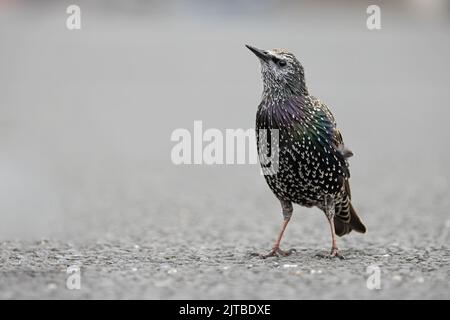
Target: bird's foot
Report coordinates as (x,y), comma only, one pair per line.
(277,252)
(336,254)
(333,254)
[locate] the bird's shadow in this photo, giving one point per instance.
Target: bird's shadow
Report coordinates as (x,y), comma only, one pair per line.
(308,253)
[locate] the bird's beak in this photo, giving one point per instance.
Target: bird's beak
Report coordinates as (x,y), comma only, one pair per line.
(263,55)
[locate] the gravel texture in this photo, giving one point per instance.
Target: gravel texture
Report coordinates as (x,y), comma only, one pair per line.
(188,255)
(86,178)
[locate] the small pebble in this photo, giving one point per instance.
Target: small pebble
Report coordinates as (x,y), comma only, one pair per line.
(313,271)
(51,286)
(172,271)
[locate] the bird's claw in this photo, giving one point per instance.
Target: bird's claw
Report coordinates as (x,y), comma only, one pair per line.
(333,254)
(336,254)
(277,252)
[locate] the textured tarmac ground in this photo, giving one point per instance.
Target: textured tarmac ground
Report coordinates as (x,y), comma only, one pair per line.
(184,253)
(202,264)
(86,178)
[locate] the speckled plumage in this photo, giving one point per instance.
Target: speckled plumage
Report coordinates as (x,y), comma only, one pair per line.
(313,169)
(310,163)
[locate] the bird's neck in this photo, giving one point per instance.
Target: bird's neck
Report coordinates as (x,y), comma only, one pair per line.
(275,90)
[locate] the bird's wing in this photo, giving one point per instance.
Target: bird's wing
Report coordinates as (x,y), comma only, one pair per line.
(346,218)
(338,141)
(326,136)
(337,136)
(309,124)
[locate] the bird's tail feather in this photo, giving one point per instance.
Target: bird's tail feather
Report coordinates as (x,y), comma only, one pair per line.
(355,223)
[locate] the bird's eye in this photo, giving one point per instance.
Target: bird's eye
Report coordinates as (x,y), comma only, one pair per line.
(282,63)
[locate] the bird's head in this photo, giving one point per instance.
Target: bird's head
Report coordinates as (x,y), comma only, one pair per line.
(281,72)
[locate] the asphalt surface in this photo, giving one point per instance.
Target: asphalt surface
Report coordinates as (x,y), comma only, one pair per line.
(185,253)
(86,178)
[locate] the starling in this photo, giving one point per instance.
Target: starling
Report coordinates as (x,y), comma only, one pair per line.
(312,168)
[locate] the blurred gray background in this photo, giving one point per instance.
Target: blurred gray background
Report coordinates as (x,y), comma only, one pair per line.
(85,169)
